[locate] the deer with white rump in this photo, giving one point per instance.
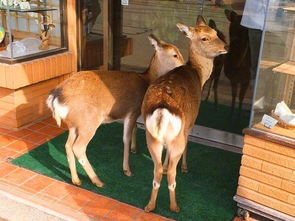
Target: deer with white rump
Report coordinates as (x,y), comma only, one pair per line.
(90,98)
(171,105)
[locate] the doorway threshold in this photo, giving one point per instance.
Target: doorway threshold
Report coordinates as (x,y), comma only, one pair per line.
(212,137)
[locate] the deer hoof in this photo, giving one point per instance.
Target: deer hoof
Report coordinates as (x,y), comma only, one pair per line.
(149,208)
(127,173)
(100,184)
(184,169)
(133,150)
(77,182)
(175,209)
(96,181)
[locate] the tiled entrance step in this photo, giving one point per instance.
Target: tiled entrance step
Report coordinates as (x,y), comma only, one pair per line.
(50,197)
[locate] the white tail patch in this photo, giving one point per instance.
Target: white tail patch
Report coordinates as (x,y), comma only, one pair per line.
(49,102)
(163,125)
(59,111)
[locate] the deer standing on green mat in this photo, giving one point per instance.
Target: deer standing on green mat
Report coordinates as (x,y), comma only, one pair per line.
(90,98)
(171,105)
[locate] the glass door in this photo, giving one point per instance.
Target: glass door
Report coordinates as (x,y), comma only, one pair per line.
(90,26)
(227,96)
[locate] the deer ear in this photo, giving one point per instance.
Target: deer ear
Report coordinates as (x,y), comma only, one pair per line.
(230,15)
(200,21)
(155,42)
(212,24)
(185,29)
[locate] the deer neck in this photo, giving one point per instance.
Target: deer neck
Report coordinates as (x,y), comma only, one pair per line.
(202,65)
(155,70)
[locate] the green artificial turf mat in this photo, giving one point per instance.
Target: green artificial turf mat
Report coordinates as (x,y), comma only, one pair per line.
(204,194)
(220,117)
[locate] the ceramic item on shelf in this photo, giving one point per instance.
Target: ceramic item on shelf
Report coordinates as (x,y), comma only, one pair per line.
(23,4)
(285,117)
(48,27)
(2,34)
(7,2)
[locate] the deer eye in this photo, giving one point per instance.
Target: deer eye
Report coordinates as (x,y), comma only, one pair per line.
(205,39)
(175,55)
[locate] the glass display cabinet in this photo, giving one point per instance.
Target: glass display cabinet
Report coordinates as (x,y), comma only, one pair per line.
(29,29)
(275,91)
(267,172)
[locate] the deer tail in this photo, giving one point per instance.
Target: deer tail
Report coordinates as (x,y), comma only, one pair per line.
(59,110)
(163,125)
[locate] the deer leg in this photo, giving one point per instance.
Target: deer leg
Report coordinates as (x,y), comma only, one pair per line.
(129,124)
(155,149)
(176,150)
(71,157)
(209,88)
(215,86)
(184,168)
(242,94)
(133,140)
(234,89)
(166,161)
(79,148)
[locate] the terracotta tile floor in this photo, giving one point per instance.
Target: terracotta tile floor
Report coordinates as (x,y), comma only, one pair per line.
(45,192)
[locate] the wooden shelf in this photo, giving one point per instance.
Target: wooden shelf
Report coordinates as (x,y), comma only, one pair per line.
(286,68)
(32,9)
(290,9)
(277,130)
(265,64)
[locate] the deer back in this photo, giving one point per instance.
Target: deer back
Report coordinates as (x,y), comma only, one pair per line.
(111,93)
(179,91)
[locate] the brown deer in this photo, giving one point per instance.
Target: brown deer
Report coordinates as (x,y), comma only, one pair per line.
(89,98)
(214,79)
(171,104)
(237,63)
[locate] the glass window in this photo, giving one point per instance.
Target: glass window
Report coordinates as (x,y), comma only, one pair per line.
(31,28)
(275,94)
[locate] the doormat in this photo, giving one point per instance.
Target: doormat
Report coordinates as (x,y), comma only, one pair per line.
(204,194)
(221,118)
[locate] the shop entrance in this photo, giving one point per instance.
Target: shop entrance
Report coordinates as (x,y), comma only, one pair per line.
(114,36)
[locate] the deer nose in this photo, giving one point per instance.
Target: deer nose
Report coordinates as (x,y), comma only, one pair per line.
(226,47)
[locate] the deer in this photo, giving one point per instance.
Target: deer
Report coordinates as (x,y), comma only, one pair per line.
(171,105)
(90,98)
(214,78)
(237,63)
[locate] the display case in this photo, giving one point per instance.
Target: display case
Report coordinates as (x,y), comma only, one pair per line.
(267,173)
(31,28)
(274,100)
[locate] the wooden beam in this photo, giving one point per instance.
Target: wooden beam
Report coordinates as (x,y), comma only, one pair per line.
(105,14)
(72,31)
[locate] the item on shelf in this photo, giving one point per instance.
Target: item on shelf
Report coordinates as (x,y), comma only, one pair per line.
(259,104)
(6,3)
(2,34)
(285,117)
(18,48)
(5,41)
(268,121)
(22,47)
(23,4)
(48,26)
